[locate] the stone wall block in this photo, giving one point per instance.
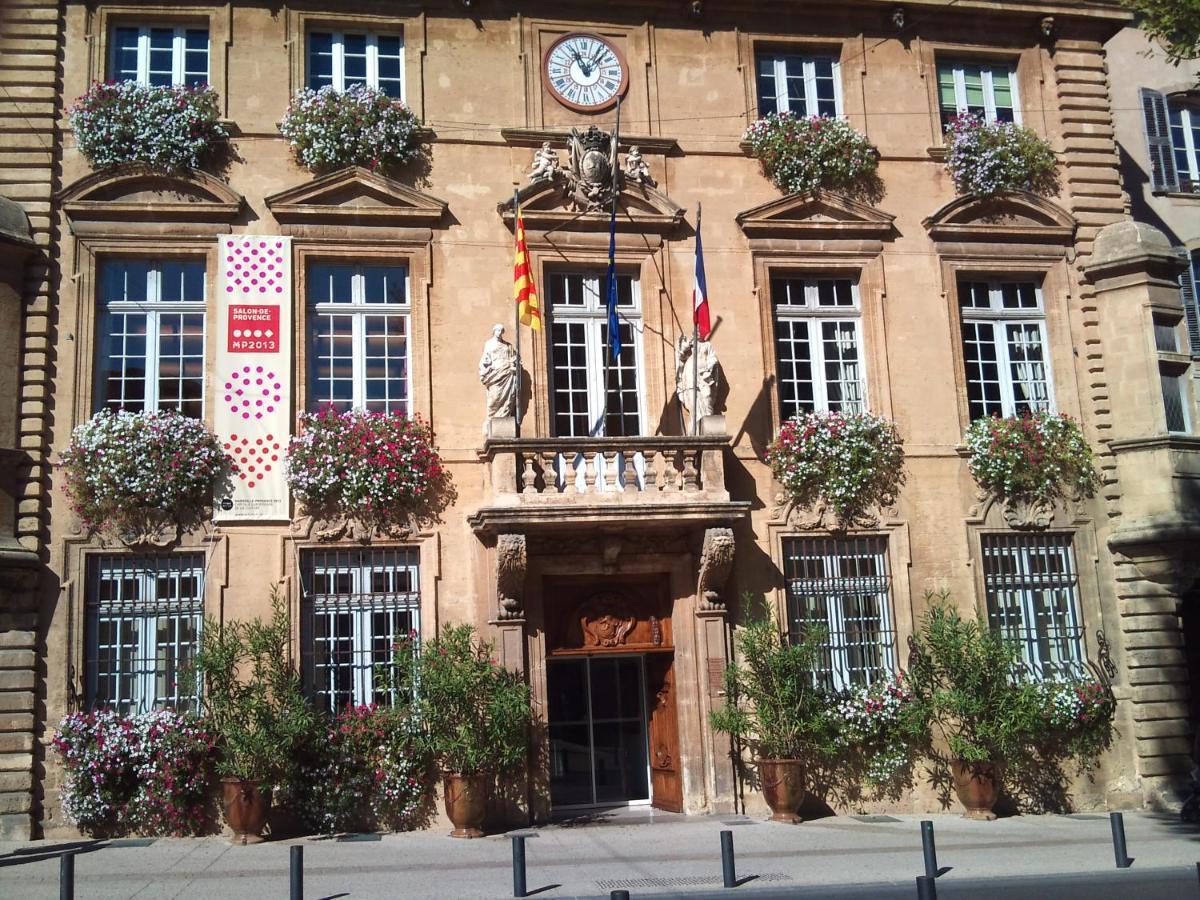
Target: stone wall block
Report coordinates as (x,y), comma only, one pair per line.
(17,680)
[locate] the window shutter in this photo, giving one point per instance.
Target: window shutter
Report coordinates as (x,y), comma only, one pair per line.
(1158,140)
(1187,290)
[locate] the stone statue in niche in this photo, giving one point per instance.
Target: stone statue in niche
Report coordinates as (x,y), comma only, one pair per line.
(704,372)
(636,169)
(545,164)
(498,374)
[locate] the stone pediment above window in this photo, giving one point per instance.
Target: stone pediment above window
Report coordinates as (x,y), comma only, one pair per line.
(547,205)
(132,197)
(358,197)
(1013,218)
(816,215)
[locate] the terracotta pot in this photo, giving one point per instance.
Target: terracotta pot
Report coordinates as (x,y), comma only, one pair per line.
(783,788)
(246,806)
(978,787)
(466,804)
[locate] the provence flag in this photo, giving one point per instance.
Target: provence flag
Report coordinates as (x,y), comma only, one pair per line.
(614,323)
(529,310)
(700,313)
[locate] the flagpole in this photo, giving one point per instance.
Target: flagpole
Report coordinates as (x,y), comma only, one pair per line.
(608,288)
(696,345)
(517,322)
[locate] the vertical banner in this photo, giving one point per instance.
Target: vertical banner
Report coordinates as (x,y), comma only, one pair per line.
(252,381)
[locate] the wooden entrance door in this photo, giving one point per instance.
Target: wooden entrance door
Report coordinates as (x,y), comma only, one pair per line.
(666,778)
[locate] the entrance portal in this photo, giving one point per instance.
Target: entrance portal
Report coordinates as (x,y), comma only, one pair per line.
(598,735)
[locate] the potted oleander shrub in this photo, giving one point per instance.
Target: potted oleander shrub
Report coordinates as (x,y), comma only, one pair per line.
(362,126)
(253,702)
(163,127)
(1037,457)
(473,714)
(989,158)
(983,711)
(849,461)
(776,710)
(380,471)
(801,154)
(134,474)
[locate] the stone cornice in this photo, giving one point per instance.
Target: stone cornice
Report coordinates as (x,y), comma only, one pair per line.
(560,517)
(535,137)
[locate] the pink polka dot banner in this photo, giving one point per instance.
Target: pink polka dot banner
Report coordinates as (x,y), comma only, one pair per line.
(253,391)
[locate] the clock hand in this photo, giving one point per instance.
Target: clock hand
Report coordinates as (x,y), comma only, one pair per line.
(584,65)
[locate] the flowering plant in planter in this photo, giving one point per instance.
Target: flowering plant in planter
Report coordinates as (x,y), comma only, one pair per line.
(851,460)
(989,158)
(882,727)
(362,126)
(803,153)
(369,771)
(1078,716)
(1040,457)
(165,127)
(379,469)
(149,773)
(129,473)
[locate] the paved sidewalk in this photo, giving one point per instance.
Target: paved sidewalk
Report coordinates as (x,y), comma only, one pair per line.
(644,854)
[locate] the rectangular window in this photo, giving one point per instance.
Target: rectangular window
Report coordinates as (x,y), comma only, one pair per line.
(357,605)
(843,586)
(801,85)
(340,60)
(358,337)
(1004,348)
(143,621)
(159,55)
(1189,280)
(151,350)
(1185,143)
(985,90)
(818,345)
(580,356)
(1032,599)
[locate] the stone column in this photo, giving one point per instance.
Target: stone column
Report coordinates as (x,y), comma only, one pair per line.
(1134,273)
(19,564)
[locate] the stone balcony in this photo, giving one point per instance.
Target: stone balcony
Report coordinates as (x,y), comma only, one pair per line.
(542,483)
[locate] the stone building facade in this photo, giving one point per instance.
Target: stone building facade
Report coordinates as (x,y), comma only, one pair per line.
(609,555)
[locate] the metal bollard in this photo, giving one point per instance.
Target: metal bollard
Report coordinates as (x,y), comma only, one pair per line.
(928,848)
(728,872)
(296,888)
(926,888)
(518,845)
(624,895)
(66,877)
(1118,833)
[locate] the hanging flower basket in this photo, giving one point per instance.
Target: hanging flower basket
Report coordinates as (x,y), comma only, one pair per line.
(378,470)
(1040,457)
(131,474)
(851,461)
(164,128)
(330,130)
(801,154)
(990,158)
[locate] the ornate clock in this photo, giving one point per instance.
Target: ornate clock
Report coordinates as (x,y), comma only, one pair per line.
(585,72)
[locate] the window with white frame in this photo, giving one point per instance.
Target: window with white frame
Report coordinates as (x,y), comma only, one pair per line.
(357,606)
(358,337)
(843,585)
(818,345)
(151,350)
(796,83)
(143,621)
(1172,128)
(1005,350)
(341,60)
(160,55)
(580,357)
(1185,141)
(1033,599)
(1189,296)
(985,90)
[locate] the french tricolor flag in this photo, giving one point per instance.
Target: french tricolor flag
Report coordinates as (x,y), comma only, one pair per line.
(700,314)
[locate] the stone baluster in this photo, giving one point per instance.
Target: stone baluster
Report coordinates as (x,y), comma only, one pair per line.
(651,467)
(670,471)
(549,459)
(690,480)
(611,481)
(631,483)
(590,463)
(528,474)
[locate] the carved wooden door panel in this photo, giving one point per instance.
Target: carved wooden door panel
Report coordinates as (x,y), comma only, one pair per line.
(666,776)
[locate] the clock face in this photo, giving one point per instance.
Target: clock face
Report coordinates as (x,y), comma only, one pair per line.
(585,72)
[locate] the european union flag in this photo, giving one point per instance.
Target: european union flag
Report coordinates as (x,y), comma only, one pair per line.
(614,324)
